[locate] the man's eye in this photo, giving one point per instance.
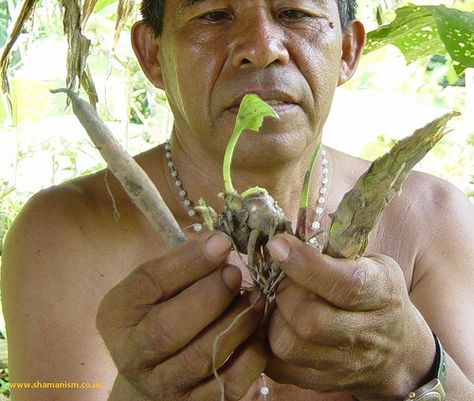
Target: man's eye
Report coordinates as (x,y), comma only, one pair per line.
(215,16)
(293,15)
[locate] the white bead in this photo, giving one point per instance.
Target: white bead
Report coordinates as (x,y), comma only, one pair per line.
(182,193)
(168,155)
(178,183)
(191,213)
(197,227)
(174,173)
(323,190)
(264,390)
(319,210)
(167,146)
(187,203)
(321,200)
(171,163)
(316,225)
(325,180)
(324,162)
(325,171)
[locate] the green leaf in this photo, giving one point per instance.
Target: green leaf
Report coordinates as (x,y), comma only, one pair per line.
(101,4)
(421,31)
(251,113)
(456,30)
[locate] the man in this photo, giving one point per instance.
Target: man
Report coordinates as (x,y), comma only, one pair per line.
(341,330)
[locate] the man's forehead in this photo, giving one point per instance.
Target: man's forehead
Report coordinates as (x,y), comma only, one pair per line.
(189,3)
(183,4)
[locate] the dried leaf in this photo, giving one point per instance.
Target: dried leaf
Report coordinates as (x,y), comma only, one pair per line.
(26,9)
(361,207)
(78,50)
(125,9)
(87,9)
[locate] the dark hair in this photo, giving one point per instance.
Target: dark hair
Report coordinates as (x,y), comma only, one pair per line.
(152,13)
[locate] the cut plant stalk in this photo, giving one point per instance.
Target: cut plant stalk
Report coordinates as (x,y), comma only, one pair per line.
(134,180)
(361,207)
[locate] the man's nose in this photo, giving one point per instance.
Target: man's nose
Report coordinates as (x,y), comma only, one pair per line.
(260,42)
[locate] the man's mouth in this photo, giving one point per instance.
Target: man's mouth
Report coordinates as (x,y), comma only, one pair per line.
(280,106)
(272,102)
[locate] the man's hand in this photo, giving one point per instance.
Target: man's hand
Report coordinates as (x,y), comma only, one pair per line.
(160,324)
(343,325)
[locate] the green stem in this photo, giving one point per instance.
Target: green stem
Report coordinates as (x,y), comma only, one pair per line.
(304,196)
(252,111)
(229,151)
(254,191)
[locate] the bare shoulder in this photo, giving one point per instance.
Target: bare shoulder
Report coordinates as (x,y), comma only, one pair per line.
(438,210)
(62,227)
(50,293)
(93,211)
(64,203)
(67,248)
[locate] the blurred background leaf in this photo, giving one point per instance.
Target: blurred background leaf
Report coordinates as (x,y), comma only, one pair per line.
(420,31)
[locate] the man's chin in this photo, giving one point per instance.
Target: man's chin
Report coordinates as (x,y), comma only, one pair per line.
(268,149)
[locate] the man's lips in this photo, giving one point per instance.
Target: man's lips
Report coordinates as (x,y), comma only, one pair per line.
(279,107)
(279,101)
(269,95)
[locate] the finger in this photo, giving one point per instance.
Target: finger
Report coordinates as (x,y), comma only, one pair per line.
(194,362)
(286,345)
(315,320)
(306,378)
(285,372)
(360,284)
(160,279)
(242,369)
(169,326)
(339,364)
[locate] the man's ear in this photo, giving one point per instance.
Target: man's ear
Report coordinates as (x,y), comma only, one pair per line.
(146,48)
(353,41)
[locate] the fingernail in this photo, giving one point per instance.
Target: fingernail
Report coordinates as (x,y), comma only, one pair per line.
(279,249)
(216,246)
(231,277)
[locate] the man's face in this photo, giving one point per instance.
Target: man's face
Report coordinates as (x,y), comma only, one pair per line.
(213,52)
